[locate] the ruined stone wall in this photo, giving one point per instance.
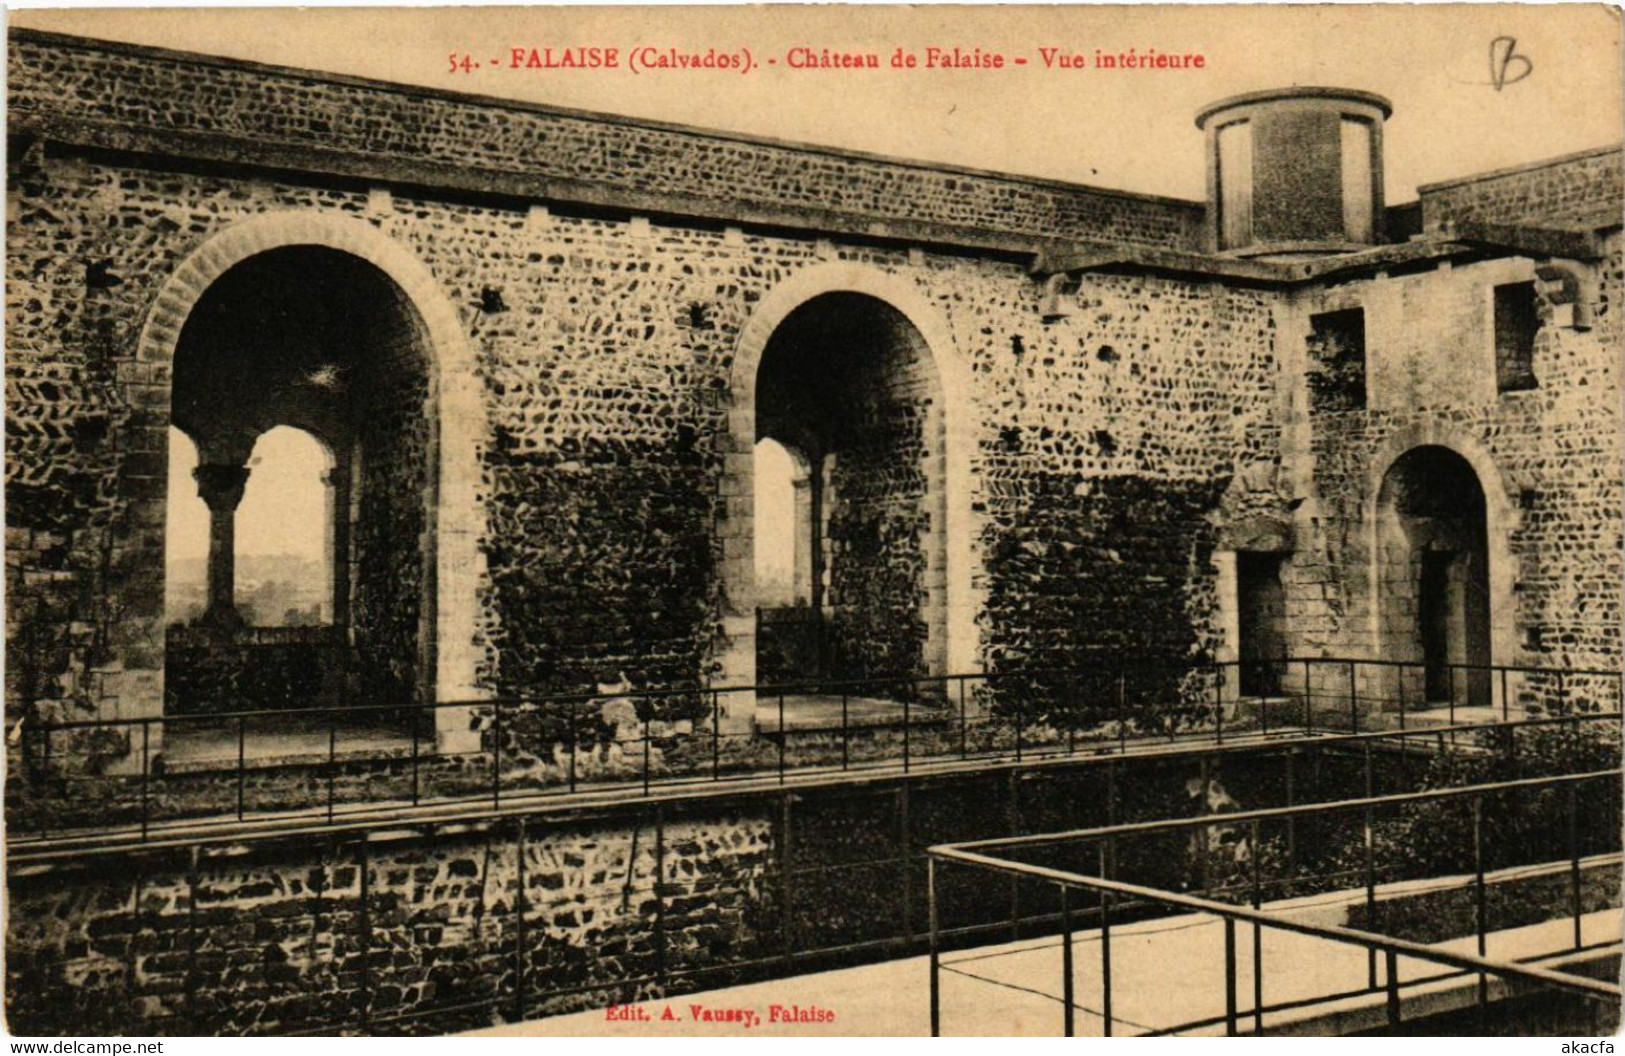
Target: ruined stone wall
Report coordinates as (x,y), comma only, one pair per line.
(1585,186)
(1114,432)
(605,348)
(879,534)
(391,537)
(1548,459)
(445,931)
(1105,447)
(329,936)
(275,109)
(86,438)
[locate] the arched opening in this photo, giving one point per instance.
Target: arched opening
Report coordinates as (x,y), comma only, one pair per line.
(1434,578)
(285,530)
(789,643)
(302,376)
(783,527)
(848,384)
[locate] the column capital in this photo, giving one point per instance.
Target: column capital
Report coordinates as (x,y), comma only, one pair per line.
(220,485)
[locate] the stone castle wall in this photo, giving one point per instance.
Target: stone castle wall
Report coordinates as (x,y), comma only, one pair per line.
(1579,187)
(584,356)
(1547,458)
(602,467)
(547,152)
(322,937)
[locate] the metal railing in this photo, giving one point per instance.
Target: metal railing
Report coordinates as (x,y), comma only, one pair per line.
(1112,896)
(326,765)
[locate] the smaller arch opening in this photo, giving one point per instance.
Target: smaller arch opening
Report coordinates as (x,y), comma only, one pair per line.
(784,558)
(284,539)
(1434,577)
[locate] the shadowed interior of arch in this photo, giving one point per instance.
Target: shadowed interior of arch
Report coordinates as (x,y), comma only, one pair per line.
(1434,576)
(850,581)
(301,381)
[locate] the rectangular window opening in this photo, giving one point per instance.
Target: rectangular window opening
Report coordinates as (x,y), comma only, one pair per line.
(1516,323)
(1337,361)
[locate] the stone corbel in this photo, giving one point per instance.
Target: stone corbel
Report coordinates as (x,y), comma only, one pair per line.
(1055,305)
(1569,288)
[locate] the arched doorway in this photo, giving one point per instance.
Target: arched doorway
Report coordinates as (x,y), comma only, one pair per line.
(849,385)
(297,353)
(1433,575)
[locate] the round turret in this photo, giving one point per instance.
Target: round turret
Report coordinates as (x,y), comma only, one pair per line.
(1294,171)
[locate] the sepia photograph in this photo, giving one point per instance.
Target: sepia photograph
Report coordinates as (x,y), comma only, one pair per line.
(805,521)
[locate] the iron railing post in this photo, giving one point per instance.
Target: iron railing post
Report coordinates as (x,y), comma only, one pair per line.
(575,747)
(496,755)
(931,906)
(1072,715)
(1574,860)
(1067,999)
(1370,894)
(332,761)
(241,738)
(1400,686)
(1308,701)
(1105,945)
(784,737)
(1479,907)
(1450,677)
(648,740)
(716,735)
(520,903)
(1173,719)
(146,770)
(45,770)
(1391,967)
(1122,710)
(416,720)
(1258,938)
(963,745)
(1354,708)
(1230,1028)
(846,734)
(906,694)
(1263,705)
(1021,718)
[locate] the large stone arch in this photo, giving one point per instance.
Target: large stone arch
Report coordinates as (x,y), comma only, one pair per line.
(904,296)
(457,431)
(1501,517)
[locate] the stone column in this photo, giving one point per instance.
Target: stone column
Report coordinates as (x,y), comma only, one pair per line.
(220,486)
(337,480)
(802,529)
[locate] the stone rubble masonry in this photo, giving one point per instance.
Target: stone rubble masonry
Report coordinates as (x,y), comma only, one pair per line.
(282,938)
(313,119)
(1547,458)
(1586,186)
(591,494)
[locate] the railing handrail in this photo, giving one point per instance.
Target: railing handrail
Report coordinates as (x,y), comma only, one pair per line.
(1270,813)
(977,854)
(524,697)
(1352,936)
